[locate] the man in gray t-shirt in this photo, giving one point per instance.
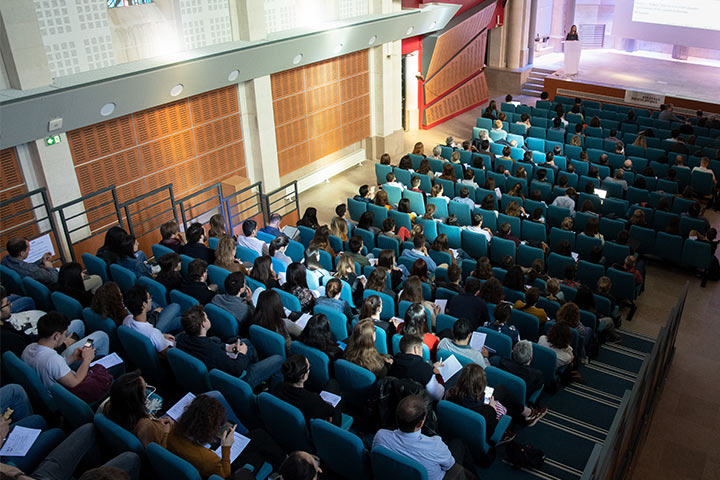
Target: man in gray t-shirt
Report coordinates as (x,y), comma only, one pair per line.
(51,366)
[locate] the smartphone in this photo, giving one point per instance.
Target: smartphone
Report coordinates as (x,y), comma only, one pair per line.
(89,343)
(8,413)
(488,393)
(225,428)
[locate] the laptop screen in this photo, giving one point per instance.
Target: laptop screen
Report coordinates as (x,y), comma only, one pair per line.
(601,193)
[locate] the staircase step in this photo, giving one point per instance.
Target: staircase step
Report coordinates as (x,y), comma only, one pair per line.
(543,70)
(534,88)
(535,81)
(530,93)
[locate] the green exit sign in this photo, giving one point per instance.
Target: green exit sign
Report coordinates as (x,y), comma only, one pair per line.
(52,140)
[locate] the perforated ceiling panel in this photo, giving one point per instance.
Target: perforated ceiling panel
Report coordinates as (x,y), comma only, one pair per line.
(190,144)
(320,109)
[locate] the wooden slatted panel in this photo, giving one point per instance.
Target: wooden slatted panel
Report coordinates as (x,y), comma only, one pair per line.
(466,63)
(95,141)
(167,151)
(213,135)
(314,104)
(11,173)
(215,104)
(217,163)
(471,93)
(162,120)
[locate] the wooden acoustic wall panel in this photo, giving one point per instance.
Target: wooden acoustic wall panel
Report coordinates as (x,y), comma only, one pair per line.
(191,143)
(315,104)
(471,93)
(451,42)
(460,68)
(12,184)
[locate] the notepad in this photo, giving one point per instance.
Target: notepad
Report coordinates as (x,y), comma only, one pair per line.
(477,341)
(241,441)
(450,366)
(108,361)
(303,320)
(40,246)
(442,303)
(176,411)
(19,441)
(575,256)
(330,398)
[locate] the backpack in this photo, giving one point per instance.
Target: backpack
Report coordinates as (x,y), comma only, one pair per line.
(524,456)
(95,386)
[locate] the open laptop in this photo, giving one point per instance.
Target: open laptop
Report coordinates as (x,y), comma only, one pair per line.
(601,193)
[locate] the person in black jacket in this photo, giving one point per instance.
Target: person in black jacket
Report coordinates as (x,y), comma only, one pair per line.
(519,366)
(409,363)
(469,304)
(296,371)
(234,358)
(195,246)
(196,285)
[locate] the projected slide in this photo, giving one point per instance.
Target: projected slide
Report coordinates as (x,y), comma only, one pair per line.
(682,13)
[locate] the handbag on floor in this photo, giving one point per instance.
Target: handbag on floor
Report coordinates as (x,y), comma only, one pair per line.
(524,456)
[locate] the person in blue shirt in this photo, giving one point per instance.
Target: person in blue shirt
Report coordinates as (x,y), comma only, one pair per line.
(133,259)
(273,226)
(442,461)
(419,250)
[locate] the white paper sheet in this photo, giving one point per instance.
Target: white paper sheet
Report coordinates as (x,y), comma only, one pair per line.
(450,366)
(442,303)
(330,398)
(287,312)
(477,341)
(19,441)
(302,321)
(176,411)
(39,247)
(282,278)
(238,446)
(373,261)
(108,360)
(575,256)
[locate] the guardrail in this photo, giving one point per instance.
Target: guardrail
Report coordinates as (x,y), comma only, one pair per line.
(283,200)
(614,459)
(158,207)
(189,210)
(244,204)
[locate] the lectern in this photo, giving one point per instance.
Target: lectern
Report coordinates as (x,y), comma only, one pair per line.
(572,56)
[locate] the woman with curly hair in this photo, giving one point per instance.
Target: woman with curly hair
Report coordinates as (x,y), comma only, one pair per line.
(361,349)
(108,303)
(202,424)
(492,292)
(558,340)
(296,285)
(570,314)
(225,256)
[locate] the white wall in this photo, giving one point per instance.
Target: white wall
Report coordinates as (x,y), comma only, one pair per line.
(544,17)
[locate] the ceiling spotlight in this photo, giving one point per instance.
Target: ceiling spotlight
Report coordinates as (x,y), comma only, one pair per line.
(372,40)
(176,90)
(233,76)
(410,30)
(298,58)
(338,48)
(107,109)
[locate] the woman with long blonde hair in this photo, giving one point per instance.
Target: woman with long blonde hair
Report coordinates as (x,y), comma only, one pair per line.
(339,228)
(225,256)
(361,349)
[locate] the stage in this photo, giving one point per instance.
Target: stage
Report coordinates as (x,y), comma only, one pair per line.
(644,71)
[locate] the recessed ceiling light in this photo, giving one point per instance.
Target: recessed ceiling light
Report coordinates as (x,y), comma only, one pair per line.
(432,25)
(233,76)
(372,40)
(338,47)
(176,90)
(107,109)
(410,30)
(298,58)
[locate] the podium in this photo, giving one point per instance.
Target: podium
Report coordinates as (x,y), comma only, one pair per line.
(572,56)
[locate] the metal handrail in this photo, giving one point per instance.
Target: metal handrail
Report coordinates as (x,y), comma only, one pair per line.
(257,204)
(128,214)
(290,198)
(219,196)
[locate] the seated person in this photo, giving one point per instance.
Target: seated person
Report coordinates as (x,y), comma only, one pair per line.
(332,299)
(249,238)
(50,365)
(195,246)
(300,466)
(476,227)
(454,278)
(296,371)
(388,229)
(502,314)
(431,452)
(264,273)
(132,258)
(309,219)
(464,198)
(277,249)
(419,250)
(139,303)
(225,255)
(196,285)
(469,304)
(270,314)
(236,300)
(70,282)
(391,181)
(460,343)
(519,365)
(469,178)
(317,335)
(201,424)
(365,194)
(361,349)
(558,340)
(233,359)
(355,246)
(416,323)
(170,275)
(171,236)
(297,286)
(505,232)
(18,249)
(705,167)
(629,267)
(409,363)
(273,226)
(529,306)
(566,201)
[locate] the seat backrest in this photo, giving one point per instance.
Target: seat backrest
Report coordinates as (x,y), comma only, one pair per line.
(338,321)
(160,250)
(388,464)
(514,384)
(123,277)
(285,423)
(355,381)
(499,248)
(545,360)
(696,254)
(117,439)
(319,364)
(356,208)
(12,281)
(224,324)
(67,305)
(501,343)
(94,322)
(456,421)
(168,466)
(39,293)
(239,395)
(340,451)
(388,304)
(217,276)
(184,300)
(190,373)
(140,352)
(527,325)
(23,374)
(74,410)
(157,290)
(267,342)
(96,266)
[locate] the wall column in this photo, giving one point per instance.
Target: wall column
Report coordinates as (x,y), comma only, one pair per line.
(385,91)
(257,119)
(557,25)
(514,20)
(496,47)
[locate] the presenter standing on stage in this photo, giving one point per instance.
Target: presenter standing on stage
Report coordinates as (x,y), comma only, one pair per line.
(573,35)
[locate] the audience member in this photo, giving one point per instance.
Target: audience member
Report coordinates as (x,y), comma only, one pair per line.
(249,238)
(236,300)
(469,304)
(196,284)
(195,246)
